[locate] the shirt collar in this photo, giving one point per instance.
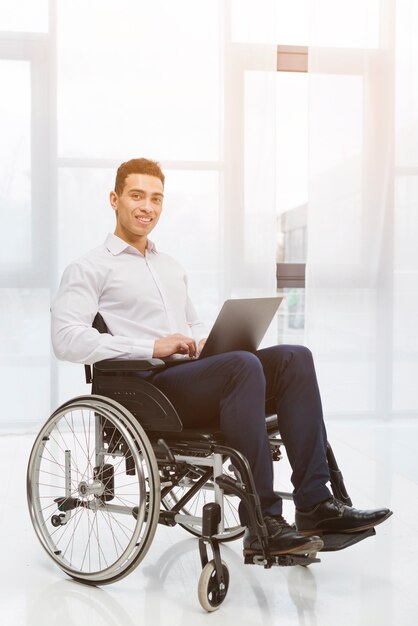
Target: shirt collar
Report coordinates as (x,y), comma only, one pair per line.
(116,245)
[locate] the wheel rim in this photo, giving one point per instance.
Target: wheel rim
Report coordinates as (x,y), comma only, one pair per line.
(214,595)
(103,536)
(210,595)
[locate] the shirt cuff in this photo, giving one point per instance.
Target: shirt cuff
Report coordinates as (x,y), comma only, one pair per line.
(143,349)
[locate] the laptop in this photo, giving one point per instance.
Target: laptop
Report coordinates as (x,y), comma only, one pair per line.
(241,325)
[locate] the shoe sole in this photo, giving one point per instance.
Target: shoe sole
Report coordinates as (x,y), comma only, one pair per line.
(307,548)
(345,531)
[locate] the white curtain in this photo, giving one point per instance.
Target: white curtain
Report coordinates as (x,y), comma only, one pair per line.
(91,84)
(362,287)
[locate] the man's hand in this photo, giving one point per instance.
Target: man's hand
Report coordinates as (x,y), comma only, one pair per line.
(174,344)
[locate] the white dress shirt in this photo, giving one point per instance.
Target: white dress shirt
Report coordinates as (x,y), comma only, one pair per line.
(140,297)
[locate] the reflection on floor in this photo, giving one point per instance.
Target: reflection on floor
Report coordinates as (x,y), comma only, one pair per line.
(374,582)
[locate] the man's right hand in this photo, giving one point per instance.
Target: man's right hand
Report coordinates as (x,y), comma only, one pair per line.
(174,344)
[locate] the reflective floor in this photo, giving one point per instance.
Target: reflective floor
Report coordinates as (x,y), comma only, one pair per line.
(374,582)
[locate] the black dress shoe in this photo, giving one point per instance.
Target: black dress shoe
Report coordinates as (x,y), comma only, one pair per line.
(332,516)
(282,539)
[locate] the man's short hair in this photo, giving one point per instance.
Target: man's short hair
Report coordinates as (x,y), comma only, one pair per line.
(137,166)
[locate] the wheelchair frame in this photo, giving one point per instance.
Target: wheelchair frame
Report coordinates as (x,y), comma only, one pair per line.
(75,481)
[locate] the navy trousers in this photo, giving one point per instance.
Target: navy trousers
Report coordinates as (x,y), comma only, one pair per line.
(230,391)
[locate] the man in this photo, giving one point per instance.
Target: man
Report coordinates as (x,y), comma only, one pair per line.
(142,296)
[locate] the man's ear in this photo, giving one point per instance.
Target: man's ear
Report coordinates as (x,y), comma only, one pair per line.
(113,200)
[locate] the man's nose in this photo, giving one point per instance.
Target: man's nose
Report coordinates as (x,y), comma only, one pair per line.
(146,205)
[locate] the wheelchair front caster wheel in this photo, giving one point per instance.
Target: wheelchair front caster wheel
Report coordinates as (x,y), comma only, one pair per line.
(209,592)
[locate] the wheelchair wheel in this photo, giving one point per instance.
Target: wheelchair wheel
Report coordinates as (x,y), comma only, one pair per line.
(93,489)
(208,591)
(232,526)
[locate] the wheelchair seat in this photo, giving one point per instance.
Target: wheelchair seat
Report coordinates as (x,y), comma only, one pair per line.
(119,380)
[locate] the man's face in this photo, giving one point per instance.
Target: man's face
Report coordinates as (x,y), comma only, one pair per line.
(138,207)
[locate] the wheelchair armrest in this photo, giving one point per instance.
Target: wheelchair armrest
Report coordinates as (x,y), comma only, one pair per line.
(127,365)
(116,365)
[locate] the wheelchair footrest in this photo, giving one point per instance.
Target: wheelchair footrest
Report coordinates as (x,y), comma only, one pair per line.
(282,560)
(340,541)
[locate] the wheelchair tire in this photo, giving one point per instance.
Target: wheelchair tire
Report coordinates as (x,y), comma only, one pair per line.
(209,594)
(106,494)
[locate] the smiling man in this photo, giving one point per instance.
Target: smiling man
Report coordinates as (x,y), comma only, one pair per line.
(138,201)
(142,295)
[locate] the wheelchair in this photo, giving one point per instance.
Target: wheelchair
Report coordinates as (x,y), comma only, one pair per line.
(106,468)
